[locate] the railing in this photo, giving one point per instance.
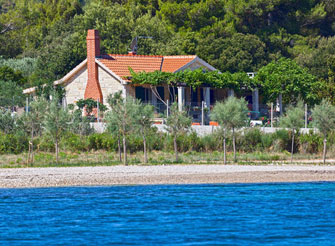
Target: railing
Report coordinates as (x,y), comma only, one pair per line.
(267,114)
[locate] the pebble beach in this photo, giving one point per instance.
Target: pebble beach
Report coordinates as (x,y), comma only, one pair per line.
(163,174)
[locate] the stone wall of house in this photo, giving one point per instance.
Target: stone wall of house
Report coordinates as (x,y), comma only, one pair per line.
(75,88)
(108,84)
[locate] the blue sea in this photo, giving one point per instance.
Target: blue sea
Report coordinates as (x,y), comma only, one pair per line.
(242,214)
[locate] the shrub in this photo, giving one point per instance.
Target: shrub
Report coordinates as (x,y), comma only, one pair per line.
(211,142)
(155,140)
(281,140)
(310,143)
(74,143)
(96,141)
(267,140)
(44,143)
(134,143)
(12,144)
(251,140)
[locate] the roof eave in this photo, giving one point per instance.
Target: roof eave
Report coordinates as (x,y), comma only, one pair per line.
(62,80)
(196,59)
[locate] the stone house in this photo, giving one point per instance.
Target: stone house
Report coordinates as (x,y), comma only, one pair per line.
(100,75)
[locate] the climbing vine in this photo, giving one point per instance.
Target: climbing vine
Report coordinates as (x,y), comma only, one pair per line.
(194,79)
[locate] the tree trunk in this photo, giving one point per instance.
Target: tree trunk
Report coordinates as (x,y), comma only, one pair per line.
(119,148)
(145,149)
(175,147)
(292,146)
(324,150)
(124,151)
(224,151)
(32,145)
(56,146)
(234,146)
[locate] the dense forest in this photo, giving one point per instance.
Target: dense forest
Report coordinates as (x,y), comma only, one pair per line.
(41,40)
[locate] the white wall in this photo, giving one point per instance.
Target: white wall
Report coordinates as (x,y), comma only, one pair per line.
(75,88)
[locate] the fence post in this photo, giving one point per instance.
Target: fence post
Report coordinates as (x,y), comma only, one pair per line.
(305,115)
(202,113)
(167,108)
(271,115)
(27,105)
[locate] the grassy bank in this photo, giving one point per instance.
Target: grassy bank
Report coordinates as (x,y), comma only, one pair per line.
(93,158)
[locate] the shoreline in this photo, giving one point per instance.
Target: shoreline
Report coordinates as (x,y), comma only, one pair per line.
(163,174)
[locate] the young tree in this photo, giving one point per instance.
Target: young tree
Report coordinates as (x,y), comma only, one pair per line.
(231,114)
(177,123)
(122,117)
(80,124)
(143,121)
(114,128)
(7,121)
(293,119)
(56,121)
(323,116)
(32,123)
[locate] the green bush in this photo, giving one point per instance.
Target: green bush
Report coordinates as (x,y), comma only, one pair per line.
(13,144)
(251,140)
(134,143)
(281,140)
(44,143)
(74,143)
(267,140)
(310,143)
(98,141)
(155,141)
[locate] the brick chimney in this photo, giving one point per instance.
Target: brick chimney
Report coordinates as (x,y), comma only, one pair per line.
(93,89)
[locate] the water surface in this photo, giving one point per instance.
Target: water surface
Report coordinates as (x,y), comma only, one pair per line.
(245,214)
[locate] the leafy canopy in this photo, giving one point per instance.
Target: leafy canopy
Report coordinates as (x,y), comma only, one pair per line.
(194,79)
(323,116)
(286,77)
(294,117)
(231,114)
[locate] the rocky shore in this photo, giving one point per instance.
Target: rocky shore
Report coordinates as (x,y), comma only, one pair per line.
(169,174)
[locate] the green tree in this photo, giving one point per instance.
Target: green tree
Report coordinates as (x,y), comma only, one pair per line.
(7,121)
(10,95)
(8,74)
(231,115)
(80,124)
(121,117)
(32,123)
(113,128)
(56,121)
(293,119)
(177,123)
(236,53)
(286,77)
(323,116)
(144,119)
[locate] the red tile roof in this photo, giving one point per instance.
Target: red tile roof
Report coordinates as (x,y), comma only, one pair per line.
(173,63)
(119,64)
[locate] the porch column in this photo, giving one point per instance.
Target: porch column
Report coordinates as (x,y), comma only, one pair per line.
(207,96)
(181,97)
(255,101)
(280,104)
(230,92)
